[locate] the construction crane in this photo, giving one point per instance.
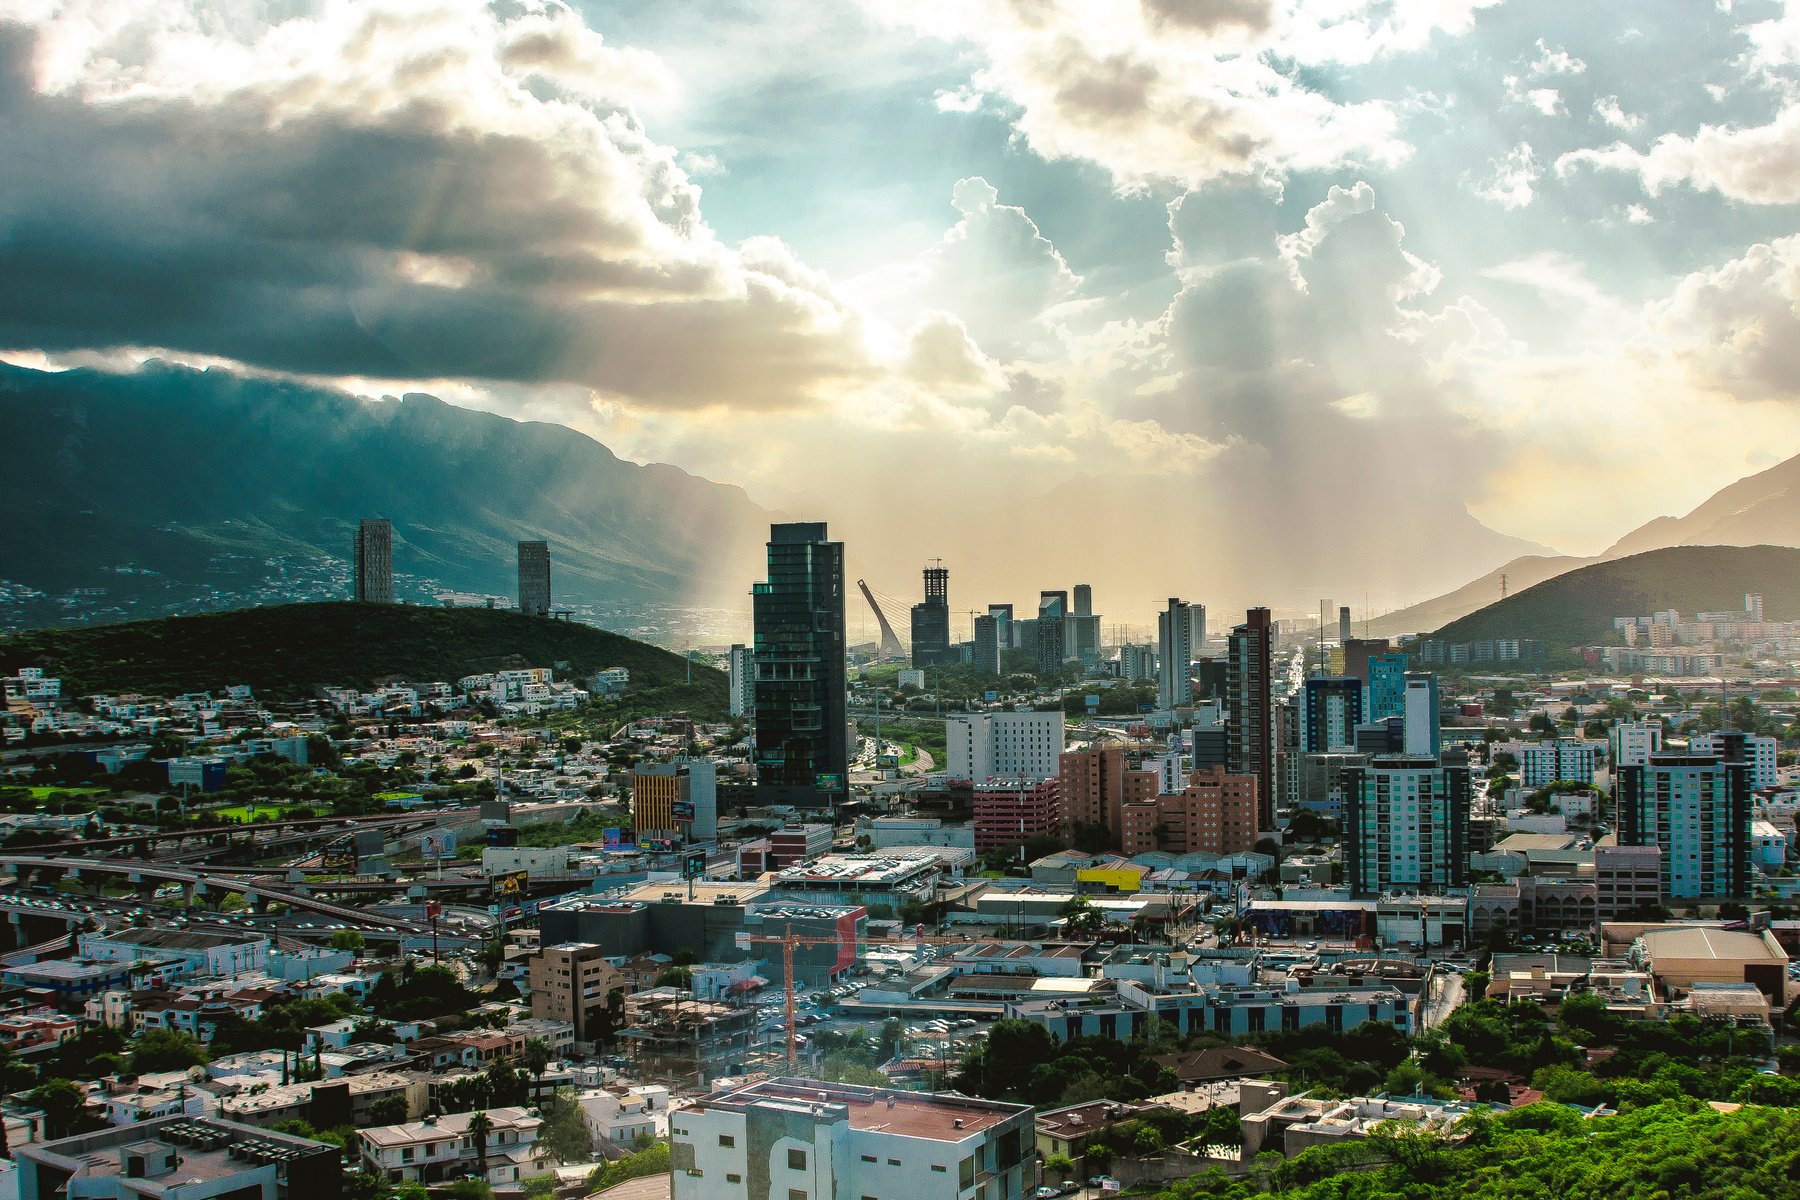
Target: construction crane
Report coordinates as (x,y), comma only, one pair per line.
(788,941)
(890,644)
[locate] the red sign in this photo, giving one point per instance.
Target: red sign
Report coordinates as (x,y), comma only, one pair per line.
(434,909)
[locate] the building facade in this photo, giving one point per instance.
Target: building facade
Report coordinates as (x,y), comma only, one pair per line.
(572,982)
(374,567)
(804,1139)
(1406,826)
(534,578)
(1174,655)
(1695,809)
(1419,709)
(1215,813)
(802,735)
(1387,683)
(1250,663)
(1008,813)
(1333,710)
(931,620)
(1005,745)
(740,667)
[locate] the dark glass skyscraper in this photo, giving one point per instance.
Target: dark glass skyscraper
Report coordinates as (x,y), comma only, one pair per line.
(374,568)
(1052,635)
(931,620)
(534,578)
(802,744)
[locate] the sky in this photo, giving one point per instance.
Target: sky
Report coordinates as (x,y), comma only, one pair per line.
(1239,300)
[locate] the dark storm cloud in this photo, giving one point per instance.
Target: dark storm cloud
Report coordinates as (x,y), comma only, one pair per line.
(429,237)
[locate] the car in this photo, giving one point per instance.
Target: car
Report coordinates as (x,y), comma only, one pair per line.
(1069,1188)
(1046,1193)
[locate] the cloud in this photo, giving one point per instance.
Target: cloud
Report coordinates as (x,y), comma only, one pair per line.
(1551,62)
(1758,165)
(1182,91)
(1608,109)
(1510,184)
(1736,327)
(388,193)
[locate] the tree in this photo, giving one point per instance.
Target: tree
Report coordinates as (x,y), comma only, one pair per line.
(653,1160)
(1080,916)
(166,1050)
(348,939)
(479,1128)
(389,1110)
(63,1104)
(537,1058)
(565,1132)
(1060,1165)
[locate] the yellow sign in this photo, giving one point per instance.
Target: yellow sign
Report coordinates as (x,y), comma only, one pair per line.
(510,884)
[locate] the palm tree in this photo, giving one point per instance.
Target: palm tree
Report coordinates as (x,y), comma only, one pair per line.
(537,1057)
(479,1127)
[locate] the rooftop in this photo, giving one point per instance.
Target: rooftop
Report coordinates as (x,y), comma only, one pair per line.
(943,1118)
(1710,942)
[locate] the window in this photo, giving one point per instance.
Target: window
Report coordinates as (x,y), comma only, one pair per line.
(868,1158)
(796,1160)
(797,1194)
(725,1139)
(733,1177)
(893,1162)
(940,1168)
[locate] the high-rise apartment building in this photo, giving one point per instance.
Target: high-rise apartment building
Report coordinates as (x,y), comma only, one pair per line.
(1174,655)
(1758,751)
(1084,600)
(931,620)
(1136,663)
(1003,623)
(1249,667)
(1419,707)
(1631,743)
(1386,675)
(987,648)
(1343,625)
(1214,813)
(806,1139)
(375,561)
(1196,629)
(1096,783)
(534,578)
(1084,638)
(1406,826)
(741,667)
(1695,809)
(676,799)
(1333,710)
(1004,745)
(1052,632)
(802,736)
(1555,760)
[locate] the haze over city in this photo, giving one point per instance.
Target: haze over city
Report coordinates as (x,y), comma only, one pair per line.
(1150,292)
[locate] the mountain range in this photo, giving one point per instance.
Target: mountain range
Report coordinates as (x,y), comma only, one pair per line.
(174,471)
(1758,510)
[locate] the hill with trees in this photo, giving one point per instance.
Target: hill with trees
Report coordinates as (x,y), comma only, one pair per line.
(1578,608)
(291,649)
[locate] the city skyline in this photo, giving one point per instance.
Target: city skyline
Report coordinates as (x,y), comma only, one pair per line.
(1064,295)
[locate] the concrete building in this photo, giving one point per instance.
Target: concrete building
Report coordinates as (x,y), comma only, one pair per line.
(1682,957)
(374,566)
(1008,813)
(1631,743)
(1136,663)
(988,648)
(802,723)
(1419,709)
(441,1148)
(1249,671)
(183,951)
(803,1139)
(676,799)
(740,666)
(1758,752)
(179,1158)
(1406,825)
(1695,809)
(1096,783)
(1215,813)
(1174,655)
(1004,745)
(1627,880)
(534,578)
(573,982)
(1333,710)
(1555,760)
(1387,683)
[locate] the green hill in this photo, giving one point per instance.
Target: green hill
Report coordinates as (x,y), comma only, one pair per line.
(289,649)
(1578,608)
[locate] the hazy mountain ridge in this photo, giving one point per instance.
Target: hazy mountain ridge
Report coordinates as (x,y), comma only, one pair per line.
(1758,510)
(167,467)
(1577,608)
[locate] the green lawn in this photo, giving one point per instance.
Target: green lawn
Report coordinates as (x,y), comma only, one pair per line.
(44,793)
(249,812)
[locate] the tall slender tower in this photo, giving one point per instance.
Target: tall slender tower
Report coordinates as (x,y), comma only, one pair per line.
(931,620)
(802,738)
(1174,655)
(375,561)
(534,578)
(1250,663)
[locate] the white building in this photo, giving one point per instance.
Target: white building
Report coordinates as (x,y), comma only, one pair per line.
(1759,751)
(1419,710)
(1175,654)
(1768,846)
(910,677)
(621,1115)
(741,666)
(1004,745)
(442,1148)
(186,952)
(1558,760)
(1631,743)
(826,1141)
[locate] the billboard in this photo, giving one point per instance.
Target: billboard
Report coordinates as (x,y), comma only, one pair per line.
(609,838)
(441,844)
(829,781)
(684,810)
(694,865)
(510,884)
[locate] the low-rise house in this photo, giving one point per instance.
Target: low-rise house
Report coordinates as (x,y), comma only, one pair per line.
(440,1148)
